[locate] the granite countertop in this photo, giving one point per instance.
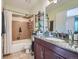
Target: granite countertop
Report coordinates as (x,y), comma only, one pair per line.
(59,42)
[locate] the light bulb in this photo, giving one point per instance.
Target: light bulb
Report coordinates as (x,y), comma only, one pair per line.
(55,1)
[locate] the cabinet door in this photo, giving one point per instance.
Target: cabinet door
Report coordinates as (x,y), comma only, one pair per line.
(52,55)
(39,52)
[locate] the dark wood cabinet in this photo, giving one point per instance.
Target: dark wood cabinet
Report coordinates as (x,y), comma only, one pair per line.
(39,51)
(46,50)
(52,55)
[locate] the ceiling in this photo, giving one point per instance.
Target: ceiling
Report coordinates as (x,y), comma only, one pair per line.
(52,5)
(30,7)
(25,6)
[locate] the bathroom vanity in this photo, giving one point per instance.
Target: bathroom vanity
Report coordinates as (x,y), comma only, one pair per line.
(51,49)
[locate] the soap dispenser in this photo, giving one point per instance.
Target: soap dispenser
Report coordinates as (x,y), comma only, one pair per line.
(71,38)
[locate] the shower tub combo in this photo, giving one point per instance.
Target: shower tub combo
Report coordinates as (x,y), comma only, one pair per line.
(19,45)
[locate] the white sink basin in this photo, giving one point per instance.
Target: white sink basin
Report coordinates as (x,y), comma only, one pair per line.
(61,43)
(55,40)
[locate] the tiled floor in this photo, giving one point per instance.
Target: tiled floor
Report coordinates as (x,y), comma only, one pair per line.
(19,55)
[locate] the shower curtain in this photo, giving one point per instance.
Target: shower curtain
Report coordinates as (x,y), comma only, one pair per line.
(7,31)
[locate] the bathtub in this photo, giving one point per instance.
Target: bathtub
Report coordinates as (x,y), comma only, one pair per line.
(21,45)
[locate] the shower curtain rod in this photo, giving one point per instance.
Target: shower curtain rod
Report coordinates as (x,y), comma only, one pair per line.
(13,11)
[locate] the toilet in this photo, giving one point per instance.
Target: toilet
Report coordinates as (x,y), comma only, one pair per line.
(27,46)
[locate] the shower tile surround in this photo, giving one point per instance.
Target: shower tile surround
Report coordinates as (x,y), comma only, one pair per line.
(25,32)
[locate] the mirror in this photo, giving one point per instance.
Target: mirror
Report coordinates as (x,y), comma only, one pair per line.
(64,15)
(64,21)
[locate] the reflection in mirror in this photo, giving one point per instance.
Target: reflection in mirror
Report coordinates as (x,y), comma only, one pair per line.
(76,24)
(72,20)
(51,26)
